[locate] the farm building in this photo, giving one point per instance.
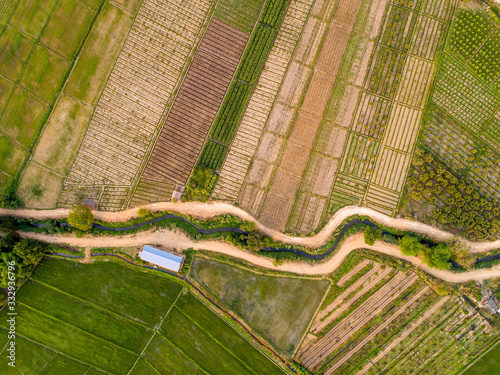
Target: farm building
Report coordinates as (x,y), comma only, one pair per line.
(90,203)
(161,258)
(492,306)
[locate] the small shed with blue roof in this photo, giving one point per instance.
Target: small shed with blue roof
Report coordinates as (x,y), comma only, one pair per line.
(161,258)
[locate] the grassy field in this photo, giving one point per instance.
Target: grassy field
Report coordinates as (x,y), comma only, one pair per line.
(487,364)
(67,124)
(15,49)
(38,46)
(40,186)
(278,308)
(72,19)
(99,54)
(30,16)
(23,116)
(112,317)
(44,73)
(241,14)
(11,154)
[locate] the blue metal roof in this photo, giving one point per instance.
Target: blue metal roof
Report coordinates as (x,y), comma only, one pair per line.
(161,258)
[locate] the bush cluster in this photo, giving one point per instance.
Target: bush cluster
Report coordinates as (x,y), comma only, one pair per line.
(439,256)
(457,201)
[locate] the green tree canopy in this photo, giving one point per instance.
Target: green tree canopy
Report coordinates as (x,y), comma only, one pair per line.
(372,235)
(438,256)
(200,184)
(22,257)
(410,246)
(29,250)
(461,254)
(81,217)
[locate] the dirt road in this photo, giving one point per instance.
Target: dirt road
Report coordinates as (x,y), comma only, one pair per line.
(178,240)
(211,209)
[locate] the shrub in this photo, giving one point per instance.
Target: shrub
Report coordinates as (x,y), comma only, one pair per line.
(410,246)
(142,212)
(81,217)
(372,235)
(200,184)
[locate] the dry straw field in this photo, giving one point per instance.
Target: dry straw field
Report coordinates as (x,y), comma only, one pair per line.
(343,125)
(300,107)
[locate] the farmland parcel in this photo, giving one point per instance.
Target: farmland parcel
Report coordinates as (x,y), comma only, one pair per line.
(110,317)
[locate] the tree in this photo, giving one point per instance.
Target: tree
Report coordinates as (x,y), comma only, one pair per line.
(81,217)
(254,240)
(461,254)
(410,246)
(200,184)
(372,235)
(440,289)
(29,250)
(248,226)
(20,260)
(438,256)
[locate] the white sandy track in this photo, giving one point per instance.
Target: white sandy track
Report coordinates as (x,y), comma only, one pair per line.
(211,209)
(180,241)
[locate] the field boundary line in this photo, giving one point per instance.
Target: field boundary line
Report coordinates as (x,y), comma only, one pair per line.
(182,352)
(217,341)
(57,352)
(113,3)
(153,335)
(168,107)
(90,303)
(154,368)
(78,328)
(45,365)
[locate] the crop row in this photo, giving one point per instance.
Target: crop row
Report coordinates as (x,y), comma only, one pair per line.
(236,166)
(6,9)
(399,28)
(273,13)
(406,309)
(255,55)
(250,66)
(441,340)
(486,62)
(470,30)
(463,96)
(231,110)
(334,340)
(213,155)
(139,88)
